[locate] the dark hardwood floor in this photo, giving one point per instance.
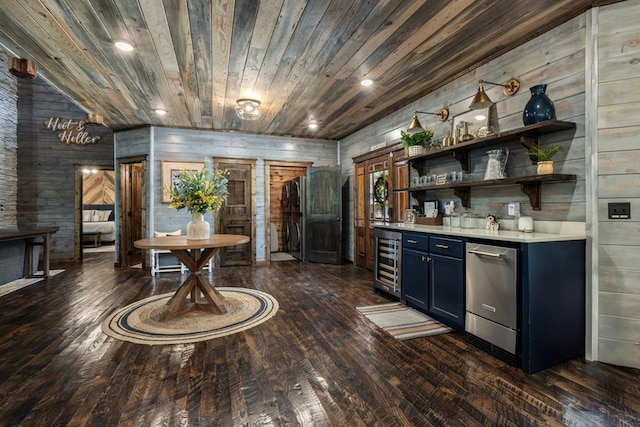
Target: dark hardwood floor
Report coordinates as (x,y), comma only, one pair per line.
(318,362)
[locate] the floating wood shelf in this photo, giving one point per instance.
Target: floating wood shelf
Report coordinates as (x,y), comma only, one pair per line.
(530,185)
(528,136)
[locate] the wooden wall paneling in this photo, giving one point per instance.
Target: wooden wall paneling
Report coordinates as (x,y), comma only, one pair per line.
(618,186)
(46,188)
(619,328)
(617,245)
(614,139)
(617,352)
(561,68)
(193,145)
(629,307)
(613,232)
(623,280)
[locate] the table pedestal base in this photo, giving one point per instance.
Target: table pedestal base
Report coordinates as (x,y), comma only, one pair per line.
(195,285)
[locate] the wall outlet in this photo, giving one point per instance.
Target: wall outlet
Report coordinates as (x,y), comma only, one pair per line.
(514,209)
(619,210)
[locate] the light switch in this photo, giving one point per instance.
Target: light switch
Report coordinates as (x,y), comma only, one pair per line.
(619,210)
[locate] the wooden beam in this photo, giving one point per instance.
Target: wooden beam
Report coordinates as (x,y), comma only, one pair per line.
(23,68)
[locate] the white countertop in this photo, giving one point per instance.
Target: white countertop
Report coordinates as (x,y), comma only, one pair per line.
(574,233)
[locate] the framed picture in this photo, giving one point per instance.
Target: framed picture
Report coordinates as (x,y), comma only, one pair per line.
(480,124)
(171,170)
(410,216)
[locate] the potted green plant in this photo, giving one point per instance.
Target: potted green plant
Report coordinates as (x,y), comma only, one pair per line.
(415,142)
(544,156)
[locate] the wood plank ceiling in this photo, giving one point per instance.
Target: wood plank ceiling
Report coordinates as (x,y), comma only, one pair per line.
(302,59)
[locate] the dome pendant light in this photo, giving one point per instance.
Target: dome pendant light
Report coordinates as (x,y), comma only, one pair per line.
(248,109)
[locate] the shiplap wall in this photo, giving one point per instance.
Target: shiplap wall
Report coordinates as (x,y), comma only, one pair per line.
(618,180)
(183,145)
(556,58)
(46,166)
(8,143)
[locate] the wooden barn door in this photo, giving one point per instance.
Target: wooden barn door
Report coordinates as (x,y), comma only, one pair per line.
(323,222)
(237,215)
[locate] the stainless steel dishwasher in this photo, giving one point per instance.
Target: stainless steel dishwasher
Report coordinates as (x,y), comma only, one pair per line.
(492,280)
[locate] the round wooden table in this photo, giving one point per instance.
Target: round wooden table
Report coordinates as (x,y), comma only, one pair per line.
(194,254)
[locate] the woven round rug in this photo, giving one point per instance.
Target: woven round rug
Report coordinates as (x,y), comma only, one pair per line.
(140,322)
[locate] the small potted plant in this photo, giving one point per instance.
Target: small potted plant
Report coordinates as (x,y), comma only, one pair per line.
(415,143)
(544,156)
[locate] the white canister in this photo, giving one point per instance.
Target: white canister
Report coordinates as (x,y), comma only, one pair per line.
(525,223)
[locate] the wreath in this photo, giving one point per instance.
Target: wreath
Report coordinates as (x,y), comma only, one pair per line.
(380,190)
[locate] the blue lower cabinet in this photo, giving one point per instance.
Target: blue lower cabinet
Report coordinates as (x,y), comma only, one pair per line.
(415,279)
(446,296)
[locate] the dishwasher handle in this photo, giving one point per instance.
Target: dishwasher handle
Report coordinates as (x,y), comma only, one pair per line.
(489,254)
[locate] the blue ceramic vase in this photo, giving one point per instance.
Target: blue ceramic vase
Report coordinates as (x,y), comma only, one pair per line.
(539,108)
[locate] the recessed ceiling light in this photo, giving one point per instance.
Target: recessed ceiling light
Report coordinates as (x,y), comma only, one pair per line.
(122,45)
(313,126)
(161,112)
(366,82)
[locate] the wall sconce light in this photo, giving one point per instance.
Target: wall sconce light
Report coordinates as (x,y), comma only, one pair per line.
(482,100)
(247,109)
(415,125)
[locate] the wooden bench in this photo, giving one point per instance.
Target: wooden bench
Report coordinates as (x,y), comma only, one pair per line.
(91,239)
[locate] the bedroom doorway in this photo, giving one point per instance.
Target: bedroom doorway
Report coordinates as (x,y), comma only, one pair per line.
(96,222)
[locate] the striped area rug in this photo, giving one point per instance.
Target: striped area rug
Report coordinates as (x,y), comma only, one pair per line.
(403,322)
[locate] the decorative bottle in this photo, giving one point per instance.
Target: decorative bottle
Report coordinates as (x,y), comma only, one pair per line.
(447,141)
(466,136)
(539,108)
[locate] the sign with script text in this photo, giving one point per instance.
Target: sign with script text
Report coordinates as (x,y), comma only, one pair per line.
(71,131)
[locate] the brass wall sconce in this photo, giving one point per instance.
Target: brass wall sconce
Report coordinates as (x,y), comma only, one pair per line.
(247,109)
(415,125)
(482,100)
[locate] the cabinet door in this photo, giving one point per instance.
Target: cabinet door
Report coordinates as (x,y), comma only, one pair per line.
(446,299)
(415,278)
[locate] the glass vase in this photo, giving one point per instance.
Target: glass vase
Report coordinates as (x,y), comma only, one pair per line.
(198,228)
(539,108)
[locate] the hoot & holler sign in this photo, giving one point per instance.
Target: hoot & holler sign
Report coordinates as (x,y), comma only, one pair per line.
(71,131)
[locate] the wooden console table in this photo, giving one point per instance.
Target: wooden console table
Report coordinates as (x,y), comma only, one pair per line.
(194,254)
(30,234)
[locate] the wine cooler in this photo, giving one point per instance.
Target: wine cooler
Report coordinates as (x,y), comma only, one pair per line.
(388,253)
